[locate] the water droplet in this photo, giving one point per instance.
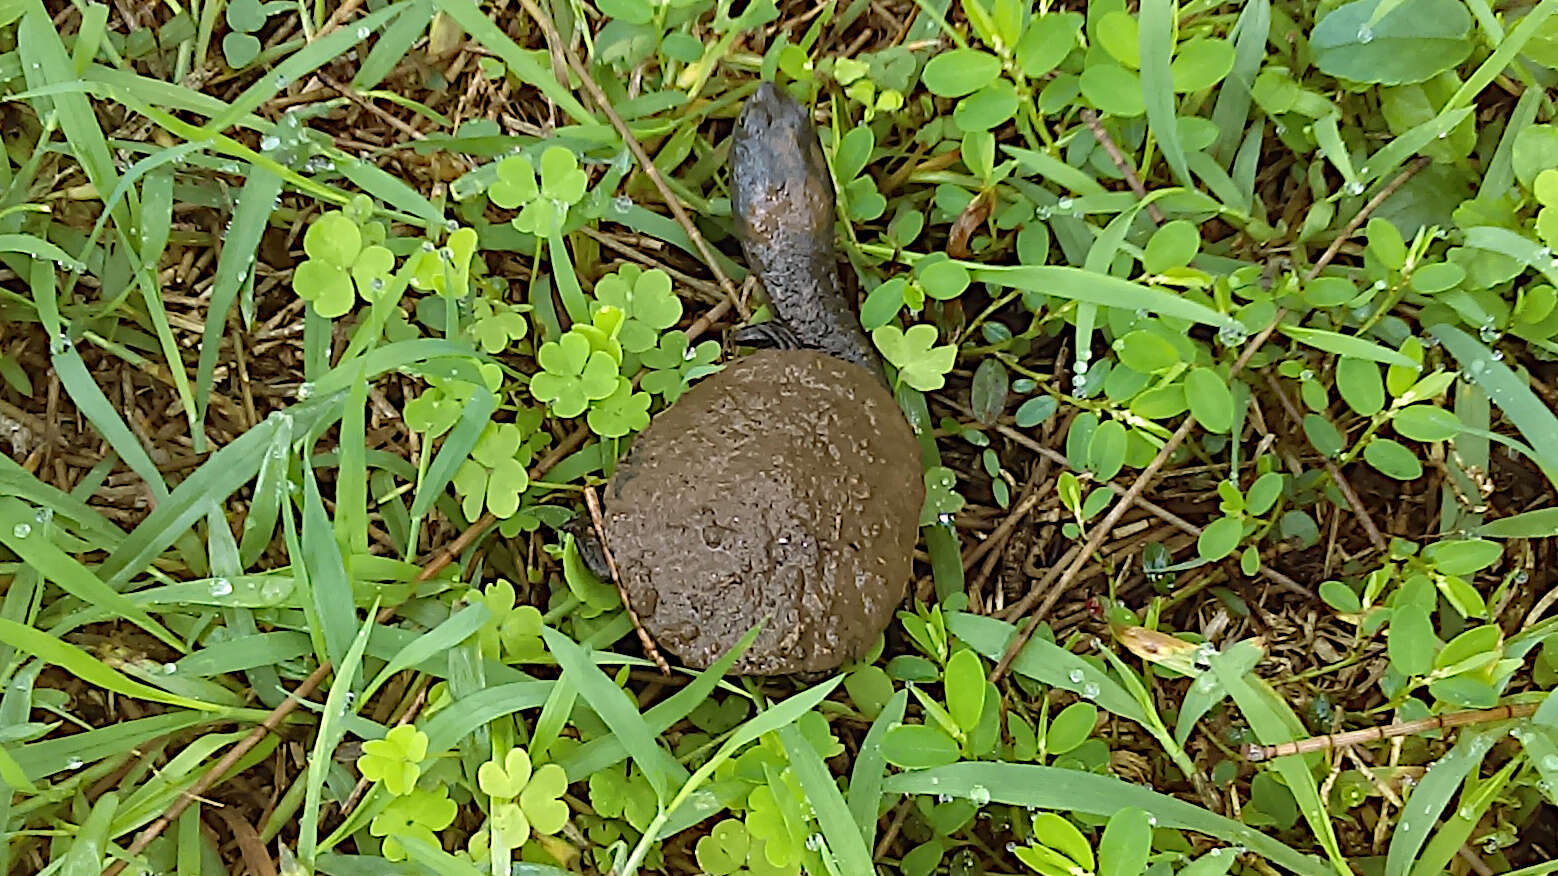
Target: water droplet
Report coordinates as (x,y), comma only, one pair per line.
(1076,676)
(305,391)
(944,798)
(269,142)
(1379,286)
(1090,690)
(1498,355)
(1355,187)
(1043,214)
(1365,34)
(1488,333)
(1011,846)
(74,763)
(1064,204)
(22,530)
(1550,762)
(275,590)
(1152,820)
(170,668)
(1522,576)
(42,516)
(281,80)
(1231,334)
(621,204)
(221,587)
(979,795)
(377,284)
(362,33)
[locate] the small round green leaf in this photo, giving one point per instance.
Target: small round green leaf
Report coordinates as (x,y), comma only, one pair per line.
(960,72)
(1220,538)
(1393,459)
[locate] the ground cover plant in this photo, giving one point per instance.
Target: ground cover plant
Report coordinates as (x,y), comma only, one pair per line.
(1227,331)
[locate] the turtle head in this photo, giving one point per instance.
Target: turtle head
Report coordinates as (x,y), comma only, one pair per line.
(779,177)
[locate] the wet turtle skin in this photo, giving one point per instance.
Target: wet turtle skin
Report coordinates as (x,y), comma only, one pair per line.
(786,488)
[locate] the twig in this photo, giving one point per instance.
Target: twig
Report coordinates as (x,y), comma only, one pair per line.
(544,21)
(1090,119)
(1259,753)
(1331,469)
(592,503)
(1363,216)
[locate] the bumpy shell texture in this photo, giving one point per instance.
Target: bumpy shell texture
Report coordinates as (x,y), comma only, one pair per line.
(785,488)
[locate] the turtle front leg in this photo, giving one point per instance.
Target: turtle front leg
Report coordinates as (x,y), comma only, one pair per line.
(588,542)
(771,335)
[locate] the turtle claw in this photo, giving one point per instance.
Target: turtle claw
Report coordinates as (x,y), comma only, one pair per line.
(771,335)
(588,543)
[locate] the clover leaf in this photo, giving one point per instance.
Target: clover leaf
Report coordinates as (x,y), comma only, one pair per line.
(674,366)
(544,207)
(516,183)
(495,474)
(573,374)
(647,301)
(528,800)
(395,760)
(496,324)
(622,791)
(420,814)
(339,264)
(920,363)
(436,410)
(621,412)
(729,849)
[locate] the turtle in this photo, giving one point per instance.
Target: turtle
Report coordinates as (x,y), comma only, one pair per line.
(785,488)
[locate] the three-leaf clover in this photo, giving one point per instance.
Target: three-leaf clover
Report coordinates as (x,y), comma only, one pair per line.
(525,800)
(574,374)
(495,474)
(339,263)
(621,412)
(646,300)
(730,849)
(623,791)
(920,363)
(421,814)
(543,207)
(395,760)
(673,366)
(436,410)
(512,631)
(496,324)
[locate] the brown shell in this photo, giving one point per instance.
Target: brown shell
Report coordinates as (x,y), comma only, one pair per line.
(786,487)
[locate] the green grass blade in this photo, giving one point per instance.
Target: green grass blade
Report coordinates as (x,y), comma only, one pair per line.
(104,417)
(88,668)
(393,43)
(1047,662)
(1273,723)
(457,628)
(870,771)
(351,482)
(216,479)
(1232,109)
(38,248)
(1431,797)
(314,55)
(45,62)
(1075,284)
(28,539)
(606,751)
(1350,346)
(445,729)
(526,65)
(331,728)
(17,481)
(330,587)
(456,448)
(1063,790)
(85,855)
(618,711)
(256,202)
(1156,43)
(1514,397)
(843,837)
(244,653)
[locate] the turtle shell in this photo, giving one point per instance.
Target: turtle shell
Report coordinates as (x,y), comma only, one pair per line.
(785,488)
